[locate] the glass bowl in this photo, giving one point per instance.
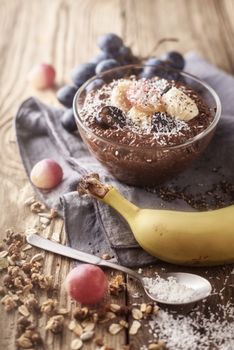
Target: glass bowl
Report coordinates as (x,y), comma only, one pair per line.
(146,165)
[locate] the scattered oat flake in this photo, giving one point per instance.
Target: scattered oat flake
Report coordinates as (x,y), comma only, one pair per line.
(27,247)
(87,335)
(23,310)
(115,307)
(115,328)
(136,325)
(29,201)
(62,311)
(137,314)
(37,257)
(78,330)
(72,325)
(76,344)
(3,253)
(89,326)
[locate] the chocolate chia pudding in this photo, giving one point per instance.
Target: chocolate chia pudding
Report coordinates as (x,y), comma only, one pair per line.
(144,130)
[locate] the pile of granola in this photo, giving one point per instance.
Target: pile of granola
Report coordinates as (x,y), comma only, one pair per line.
(24,285)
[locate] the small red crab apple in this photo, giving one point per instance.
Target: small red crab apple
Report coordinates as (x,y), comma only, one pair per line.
(87,284)
(42,76)
(46,174)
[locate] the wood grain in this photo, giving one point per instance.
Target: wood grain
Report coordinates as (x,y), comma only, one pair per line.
(64,32)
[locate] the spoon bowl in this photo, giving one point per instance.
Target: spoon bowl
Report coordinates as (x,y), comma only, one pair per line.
(201,286)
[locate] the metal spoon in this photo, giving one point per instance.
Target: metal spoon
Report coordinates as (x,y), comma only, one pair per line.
(200,285)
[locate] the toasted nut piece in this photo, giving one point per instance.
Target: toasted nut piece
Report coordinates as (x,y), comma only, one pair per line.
(36,257)
(76,344)
(137,314)
(8,302)
(23,321)
(123,323)
(55,324)
(115,328)
(134,327)
(80,313)
(24,342)
(48,306)
(143,307)
(99,341)
(37,207)
(157,346)
(106,256)
(156,309)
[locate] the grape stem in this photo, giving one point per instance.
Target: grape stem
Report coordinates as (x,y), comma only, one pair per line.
(159,43)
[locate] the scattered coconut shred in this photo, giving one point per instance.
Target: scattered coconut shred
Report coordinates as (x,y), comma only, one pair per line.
(195,331)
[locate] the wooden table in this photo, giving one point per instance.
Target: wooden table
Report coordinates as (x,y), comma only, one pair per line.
(64,33)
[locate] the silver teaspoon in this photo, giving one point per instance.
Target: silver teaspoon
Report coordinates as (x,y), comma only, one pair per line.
(201,286)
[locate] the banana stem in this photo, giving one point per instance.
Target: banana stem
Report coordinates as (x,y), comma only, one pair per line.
(91,185)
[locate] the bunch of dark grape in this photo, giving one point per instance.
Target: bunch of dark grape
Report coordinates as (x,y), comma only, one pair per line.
(113,54)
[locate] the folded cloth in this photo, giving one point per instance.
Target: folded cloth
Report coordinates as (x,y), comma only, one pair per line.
(92,226)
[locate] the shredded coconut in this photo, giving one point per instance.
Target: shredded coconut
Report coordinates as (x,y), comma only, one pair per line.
(169,289)
(195,331)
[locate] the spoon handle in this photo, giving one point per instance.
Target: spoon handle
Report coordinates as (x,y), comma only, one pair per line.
(61,249)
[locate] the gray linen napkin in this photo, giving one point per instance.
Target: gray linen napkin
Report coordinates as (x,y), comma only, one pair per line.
(96,228)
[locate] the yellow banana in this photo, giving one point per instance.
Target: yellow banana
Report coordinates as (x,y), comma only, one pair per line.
(184,238)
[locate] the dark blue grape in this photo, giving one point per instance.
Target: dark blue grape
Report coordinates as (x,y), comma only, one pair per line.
(152,68)
(95,84)
(68,121)
(174,59)
(101,56)
(153,61)
(125,52)
(125,56)
(82,72)
(110,43)
(66,94)
(106,65)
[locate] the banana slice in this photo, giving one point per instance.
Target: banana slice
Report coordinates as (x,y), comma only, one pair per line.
(179,105)
(145,96)
(118,96)
(139,118)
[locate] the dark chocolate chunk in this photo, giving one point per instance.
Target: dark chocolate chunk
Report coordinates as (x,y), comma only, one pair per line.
(110,116)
